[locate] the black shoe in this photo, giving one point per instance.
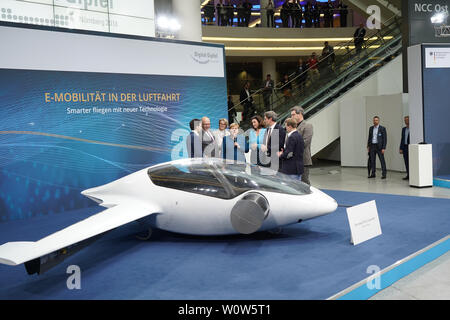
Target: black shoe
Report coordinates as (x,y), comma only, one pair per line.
(406,178)
(371,176)
(383,177)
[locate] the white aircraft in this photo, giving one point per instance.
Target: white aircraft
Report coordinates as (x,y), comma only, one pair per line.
(191,196)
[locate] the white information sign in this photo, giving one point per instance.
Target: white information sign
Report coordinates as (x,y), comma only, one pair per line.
(437,57)
(364,222)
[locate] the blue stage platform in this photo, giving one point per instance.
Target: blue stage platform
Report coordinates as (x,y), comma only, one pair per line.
(311,260)
(442,181)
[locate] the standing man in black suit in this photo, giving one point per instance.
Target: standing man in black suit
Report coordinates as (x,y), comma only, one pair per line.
(292,153)
(358,37)
(248,12)
(376,145)
(343,12)
(404,142)
(267,91)
(193,143)
(247,102)
(273,140)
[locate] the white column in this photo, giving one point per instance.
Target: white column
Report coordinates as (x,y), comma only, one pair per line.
(269,66)
(189,16)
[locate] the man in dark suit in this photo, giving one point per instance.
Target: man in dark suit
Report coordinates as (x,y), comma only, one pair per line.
(248,12)
(376,145)
(247,102)
(273,141)
(292,153)
(358,37)
(404,142)
(343,12)
(193,143)
(267,91)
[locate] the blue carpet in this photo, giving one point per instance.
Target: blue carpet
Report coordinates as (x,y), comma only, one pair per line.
(311,260)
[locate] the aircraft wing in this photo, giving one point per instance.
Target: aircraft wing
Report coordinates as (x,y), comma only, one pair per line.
(14,253)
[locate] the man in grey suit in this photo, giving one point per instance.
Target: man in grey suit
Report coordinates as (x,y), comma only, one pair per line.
(208,140)
(306,131)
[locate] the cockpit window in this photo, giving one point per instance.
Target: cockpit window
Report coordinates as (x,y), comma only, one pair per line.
(243,178)
(220,179)
(194,178)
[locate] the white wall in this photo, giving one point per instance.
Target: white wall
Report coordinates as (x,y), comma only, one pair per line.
(346,116)
(381,93)
(326,127)
(390,110)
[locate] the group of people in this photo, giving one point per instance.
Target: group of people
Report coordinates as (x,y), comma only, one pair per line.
(225,13)
(376,146)
(292,13)
(314,68)
(306,69)
(286,149)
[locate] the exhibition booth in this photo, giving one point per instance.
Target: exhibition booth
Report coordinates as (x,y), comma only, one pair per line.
(90,115)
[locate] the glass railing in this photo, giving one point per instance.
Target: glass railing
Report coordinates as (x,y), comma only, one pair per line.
(313,89)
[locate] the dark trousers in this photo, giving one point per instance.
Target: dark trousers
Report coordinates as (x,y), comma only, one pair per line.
(406,158)
(270,19)
(343,20)
(249,111)
(266,98)
(374,150)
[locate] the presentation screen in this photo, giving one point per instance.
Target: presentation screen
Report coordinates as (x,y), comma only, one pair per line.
(136,17)
(82,110)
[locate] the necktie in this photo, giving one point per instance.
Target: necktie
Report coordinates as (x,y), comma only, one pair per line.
(269,131)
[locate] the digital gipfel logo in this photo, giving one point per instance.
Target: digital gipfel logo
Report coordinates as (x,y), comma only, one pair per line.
(93,3)
(203,57)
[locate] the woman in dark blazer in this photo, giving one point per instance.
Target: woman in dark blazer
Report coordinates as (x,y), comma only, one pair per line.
(234,146)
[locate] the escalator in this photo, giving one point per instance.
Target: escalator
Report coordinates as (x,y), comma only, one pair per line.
(335,79)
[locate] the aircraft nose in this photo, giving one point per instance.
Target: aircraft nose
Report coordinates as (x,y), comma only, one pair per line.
(331,205)
(327,203)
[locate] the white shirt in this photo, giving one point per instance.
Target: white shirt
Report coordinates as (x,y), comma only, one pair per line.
(269,133)
(375,135)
